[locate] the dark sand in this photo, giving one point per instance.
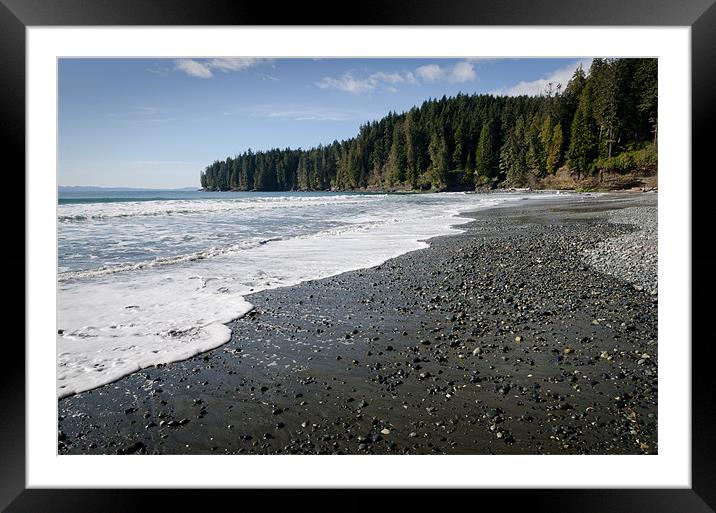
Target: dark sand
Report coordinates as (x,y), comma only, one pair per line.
(496,341)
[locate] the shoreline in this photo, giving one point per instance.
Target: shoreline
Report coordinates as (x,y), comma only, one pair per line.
(577,190)
(74,373)
(425,353)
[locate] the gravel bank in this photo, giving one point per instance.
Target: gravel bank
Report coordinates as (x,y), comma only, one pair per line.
(500,340)
(632,257)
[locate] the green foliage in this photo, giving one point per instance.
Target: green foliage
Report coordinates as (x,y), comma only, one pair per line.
(595,122)
(642,159)
(554,149)
(397,162)
(646,76)
(583,143)
(487,154)
(513,155)
(438,162)
(536,154)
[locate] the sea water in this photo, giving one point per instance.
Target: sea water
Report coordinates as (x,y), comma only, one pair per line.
(150,277)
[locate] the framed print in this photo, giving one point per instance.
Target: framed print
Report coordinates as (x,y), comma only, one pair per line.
(422,250)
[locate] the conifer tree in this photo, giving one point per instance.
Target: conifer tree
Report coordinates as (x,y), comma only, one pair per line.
(438,161)
(397,158)
(535,156)
(583,144)
(513,162)
(554,153)
(486,154)
(411,148)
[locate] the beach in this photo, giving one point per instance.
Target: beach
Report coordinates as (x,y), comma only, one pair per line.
(532,332)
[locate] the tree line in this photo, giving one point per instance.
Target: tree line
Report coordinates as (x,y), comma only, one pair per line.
(605,119)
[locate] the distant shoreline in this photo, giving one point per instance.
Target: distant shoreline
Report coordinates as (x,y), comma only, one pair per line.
(563,180)
(92,188)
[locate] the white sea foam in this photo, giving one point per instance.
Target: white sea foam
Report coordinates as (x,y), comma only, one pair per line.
(94,211)
(115,323)
(157,262)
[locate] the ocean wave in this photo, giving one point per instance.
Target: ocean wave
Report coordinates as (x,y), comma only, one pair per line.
(68,213)
(162,261)
(110,327)
(222,251)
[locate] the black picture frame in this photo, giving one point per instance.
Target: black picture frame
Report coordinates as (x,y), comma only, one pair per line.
(16,15)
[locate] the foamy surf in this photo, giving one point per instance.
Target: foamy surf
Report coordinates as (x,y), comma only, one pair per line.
(113,210)
(113,324)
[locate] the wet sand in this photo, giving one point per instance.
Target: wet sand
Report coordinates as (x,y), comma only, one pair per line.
(500,340)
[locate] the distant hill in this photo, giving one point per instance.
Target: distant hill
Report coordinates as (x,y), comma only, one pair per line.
(87,188)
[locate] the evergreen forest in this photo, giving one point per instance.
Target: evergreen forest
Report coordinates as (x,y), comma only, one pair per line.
(603,119)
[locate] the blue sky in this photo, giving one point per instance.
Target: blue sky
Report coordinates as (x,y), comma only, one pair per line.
(157,123)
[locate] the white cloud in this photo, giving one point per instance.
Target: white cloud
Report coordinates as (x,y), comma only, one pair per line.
(463,71)
(266,76)
(430,72)
(539,86)
(298,112)
(234,63)
(193,68)
(202,68)
(348,83)
(394,78)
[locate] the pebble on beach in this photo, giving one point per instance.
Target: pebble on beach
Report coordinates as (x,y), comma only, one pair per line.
(533,332)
